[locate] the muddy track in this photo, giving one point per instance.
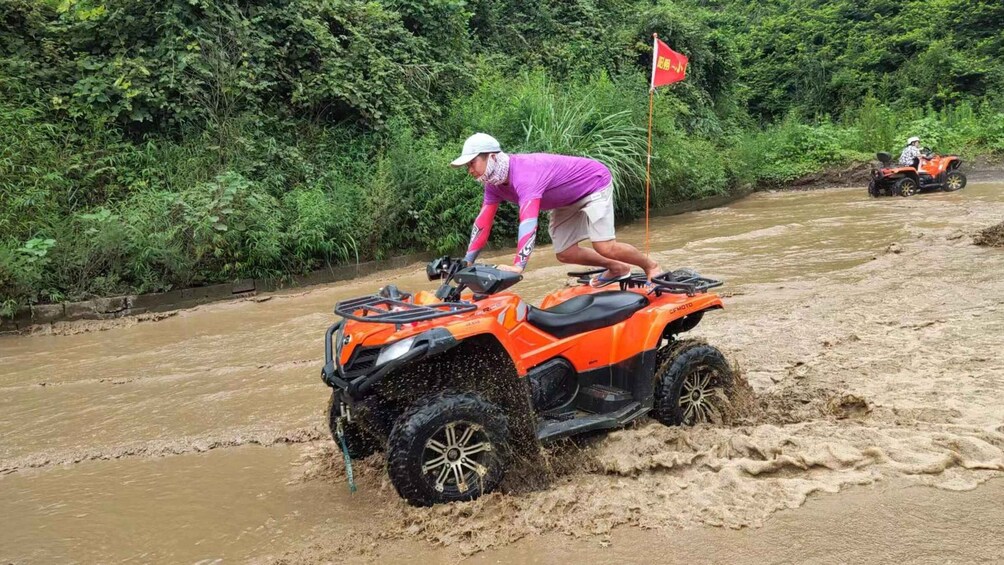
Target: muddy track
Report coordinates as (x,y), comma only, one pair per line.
(884,371)
(868,331)
(161,448)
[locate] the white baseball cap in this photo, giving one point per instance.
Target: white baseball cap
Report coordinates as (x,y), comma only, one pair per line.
(475,145)
(912,139)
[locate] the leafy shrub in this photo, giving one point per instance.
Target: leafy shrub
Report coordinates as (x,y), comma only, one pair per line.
(164,144)
(21,273)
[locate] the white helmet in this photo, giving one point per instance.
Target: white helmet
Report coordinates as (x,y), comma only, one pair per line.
(912,139)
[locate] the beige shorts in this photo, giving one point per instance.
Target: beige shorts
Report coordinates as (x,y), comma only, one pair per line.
(591,217)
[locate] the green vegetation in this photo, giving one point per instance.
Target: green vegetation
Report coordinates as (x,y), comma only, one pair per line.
(156,145)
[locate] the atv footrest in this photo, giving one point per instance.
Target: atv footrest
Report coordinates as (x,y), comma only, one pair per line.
(602,399)
(553,429)
(560,415)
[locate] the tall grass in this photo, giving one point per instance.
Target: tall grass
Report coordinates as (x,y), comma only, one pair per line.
(531,113)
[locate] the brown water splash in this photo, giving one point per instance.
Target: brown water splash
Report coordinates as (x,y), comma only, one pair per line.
(991,237)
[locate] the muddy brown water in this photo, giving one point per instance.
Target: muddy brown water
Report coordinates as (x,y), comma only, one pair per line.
(871,330)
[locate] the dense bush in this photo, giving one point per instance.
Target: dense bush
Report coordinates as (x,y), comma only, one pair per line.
(150,146)
(821,55)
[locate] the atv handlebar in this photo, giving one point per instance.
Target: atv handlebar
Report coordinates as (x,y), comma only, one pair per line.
(482,280)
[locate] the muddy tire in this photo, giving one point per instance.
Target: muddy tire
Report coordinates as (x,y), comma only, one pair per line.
(873,190)
(954,180)
(359,443)
(906,186)
(448,447)
(692,385)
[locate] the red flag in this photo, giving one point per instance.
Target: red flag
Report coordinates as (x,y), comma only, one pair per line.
(668,66)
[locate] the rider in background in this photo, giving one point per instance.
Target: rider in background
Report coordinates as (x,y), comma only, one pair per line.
(911,155)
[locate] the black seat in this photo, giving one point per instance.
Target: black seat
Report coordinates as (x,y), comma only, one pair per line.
(587,312)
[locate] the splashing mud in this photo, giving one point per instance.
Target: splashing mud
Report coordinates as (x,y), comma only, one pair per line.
(655,477)
(991,237)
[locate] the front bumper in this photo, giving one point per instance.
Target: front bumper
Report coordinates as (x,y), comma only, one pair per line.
(358,385)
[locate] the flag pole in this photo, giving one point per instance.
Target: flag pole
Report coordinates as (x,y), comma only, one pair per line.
(648,158)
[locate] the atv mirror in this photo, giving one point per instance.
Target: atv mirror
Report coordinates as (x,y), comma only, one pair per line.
(486,280)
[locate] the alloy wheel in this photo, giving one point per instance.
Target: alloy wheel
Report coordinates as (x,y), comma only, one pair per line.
(455,456)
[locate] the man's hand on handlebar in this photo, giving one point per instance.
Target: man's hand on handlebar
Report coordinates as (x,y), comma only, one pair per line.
(510,268)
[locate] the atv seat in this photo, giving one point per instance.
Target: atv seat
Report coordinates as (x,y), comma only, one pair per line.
(587,312)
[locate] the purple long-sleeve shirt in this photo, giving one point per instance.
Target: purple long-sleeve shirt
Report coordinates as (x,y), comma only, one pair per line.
(557,180)
(537,181)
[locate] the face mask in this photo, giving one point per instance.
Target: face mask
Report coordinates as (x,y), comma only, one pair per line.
(496,169)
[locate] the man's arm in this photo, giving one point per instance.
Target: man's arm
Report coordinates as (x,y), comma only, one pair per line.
(528,212)
(480,232)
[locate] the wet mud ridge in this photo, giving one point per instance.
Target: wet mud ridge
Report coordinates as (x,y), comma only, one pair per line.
(162,448)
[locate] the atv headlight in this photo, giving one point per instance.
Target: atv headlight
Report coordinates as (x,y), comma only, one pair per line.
(395,350)
(338,346)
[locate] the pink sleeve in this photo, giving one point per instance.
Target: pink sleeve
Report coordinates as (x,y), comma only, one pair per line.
(528,212)
(482,228)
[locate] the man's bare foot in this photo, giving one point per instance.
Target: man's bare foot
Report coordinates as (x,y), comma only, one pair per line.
(652,271)
(616,270)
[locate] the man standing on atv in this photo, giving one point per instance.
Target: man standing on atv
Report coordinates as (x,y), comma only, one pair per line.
(910,157)
(577,191)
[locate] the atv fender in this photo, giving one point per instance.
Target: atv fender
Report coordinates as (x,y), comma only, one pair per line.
(672,313)
(496,327)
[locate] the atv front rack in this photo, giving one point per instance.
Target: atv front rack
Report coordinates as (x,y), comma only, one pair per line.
(382,310)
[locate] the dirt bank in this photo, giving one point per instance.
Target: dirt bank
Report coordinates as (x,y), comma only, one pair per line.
(106,313)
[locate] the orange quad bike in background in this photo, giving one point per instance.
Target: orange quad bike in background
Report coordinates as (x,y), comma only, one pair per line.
(454,384)
(936,172)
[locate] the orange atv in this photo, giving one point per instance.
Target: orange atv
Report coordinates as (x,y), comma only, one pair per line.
(451,384)
(936,172)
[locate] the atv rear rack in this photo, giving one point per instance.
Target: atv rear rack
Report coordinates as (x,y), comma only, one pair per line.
(382,310)
(683,281)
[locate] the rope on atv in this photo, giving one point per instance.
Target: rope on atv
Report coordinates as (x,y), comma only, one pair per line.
(347,457)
